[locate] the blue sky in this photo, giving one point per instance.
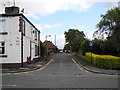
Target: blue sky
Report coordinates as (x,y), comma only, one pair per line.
(54,17)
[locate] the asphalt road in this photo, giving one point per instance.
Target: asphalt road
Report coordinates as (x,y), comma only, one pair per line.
(61,72)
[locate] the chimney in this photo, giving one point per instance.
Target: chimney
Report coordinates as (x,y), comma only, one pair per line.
(12,10)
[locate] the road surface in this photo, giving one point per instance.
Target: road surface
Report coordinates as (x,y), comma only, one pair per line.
(61,72)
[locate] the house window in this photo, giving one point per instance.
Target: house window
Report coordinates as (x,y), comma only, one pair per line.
(36,35)
(36,50)
(2,25)
(21,25)
(2,47)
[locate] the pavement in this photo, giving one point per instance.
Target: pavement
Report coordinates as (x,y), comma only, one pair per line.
(30,67)
(39,64)
(91,68)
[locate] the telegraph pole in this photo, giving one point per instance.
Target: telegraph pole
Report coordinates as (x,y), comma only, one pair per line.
(14,3)
(55,40)
(47,36)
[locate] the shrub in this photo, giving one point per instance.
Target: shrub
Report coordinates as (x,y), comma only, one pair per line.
(103,61)
(50,50)
(85,47)
(43,49)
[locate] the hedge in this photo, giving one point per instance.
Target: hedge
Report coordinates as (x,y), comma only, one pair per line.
(103,61)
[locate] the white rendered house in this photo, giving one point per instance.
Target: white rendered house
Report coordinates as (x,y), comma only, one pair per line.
(19,39)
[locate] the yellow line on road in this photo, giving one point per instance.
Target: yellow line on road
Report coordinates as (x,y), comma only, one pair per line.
(28,71)
(81,68)
(45,65)
(78,65)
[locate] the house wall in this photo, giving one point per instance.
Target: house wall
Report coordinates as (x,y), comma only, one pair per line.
(29,37)
(11,49)
(13,41)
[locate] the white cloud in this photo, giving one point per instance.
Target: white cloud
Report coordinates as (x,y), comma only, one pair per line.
(32,15)
(111,5)
(42,37)
(89,35)
(60,40)
(44,7)
(38,26)
(47,26)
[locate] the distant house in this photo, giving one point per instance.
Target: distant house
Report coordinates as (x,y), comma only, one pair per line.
(20,42)
(50,45)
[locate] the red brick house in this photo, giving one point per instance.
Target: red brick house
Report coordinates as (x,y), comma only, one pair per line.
(50,45)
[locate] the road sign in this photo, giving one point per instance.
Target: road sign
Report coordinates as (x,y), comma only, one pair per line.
(90,44)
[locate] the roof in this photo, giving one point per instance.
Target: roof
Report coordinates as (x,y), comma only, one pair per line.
(13,15)
(49,44)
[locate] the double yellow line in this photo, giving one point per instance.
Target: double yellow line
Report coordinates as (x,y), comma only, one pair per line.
(79,66)
(28,71)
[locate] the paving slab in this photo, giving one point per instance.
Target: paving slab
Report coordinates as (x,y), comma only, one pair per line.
(89,67)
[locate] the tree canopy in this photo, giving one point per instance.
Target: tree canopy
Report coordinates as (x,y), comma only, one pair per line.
(74,38)
(110,23)
(110,26)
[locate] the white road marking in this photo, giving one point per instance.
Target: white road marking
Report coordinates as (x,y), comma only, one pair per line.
(8,85)
(65,75)
(61,63)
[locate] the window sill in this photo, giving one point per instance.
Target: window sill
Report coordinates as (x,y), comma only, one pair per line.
(3,55)
(3,33)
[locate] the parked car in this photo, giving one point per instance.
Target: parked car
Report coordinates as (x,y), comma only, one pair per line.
(61,51)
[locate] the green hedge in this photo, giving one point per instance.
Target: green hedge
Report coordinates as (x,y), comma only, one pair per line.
(103,61)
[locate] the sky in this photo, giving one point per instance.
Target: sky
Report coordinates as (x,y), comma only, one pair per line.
(54,17)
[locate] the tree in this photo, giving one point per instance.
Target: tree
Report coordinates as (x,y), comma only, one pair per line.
(85,47)
(66,47)
(110,25)
(74,38)
(43,49)
(97,48)
(110,22)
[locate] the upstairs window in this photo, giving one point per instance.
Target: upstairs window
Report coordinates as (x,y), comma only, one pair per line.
(2,47)
(2,25)
(21,25)
(36,35)
(36,50)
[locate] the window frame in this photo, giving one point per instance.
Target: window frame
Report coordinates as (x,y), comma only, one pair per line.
(23,27)
(35,35)
(2,26)
(3,47)
(36,50)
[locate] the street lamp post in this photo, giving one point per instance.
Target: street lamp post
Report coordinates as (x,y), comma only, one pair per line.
(55,40)
(47,36)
